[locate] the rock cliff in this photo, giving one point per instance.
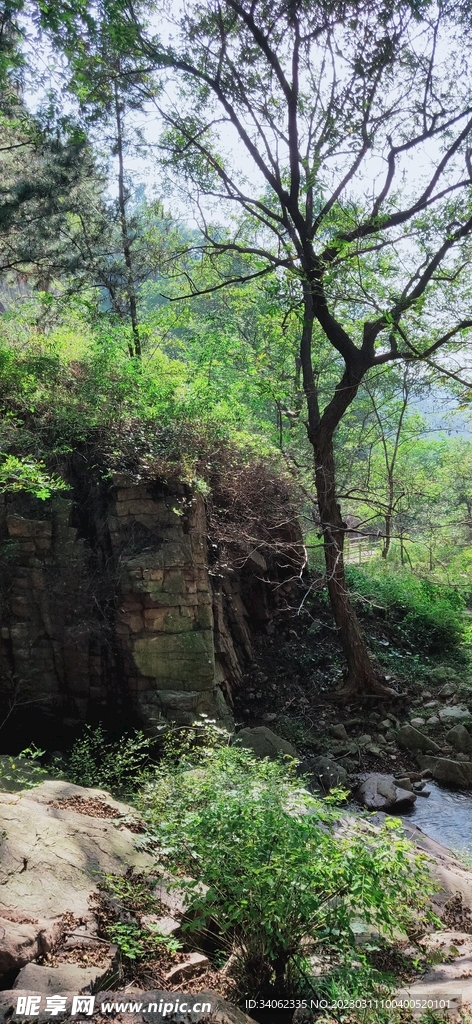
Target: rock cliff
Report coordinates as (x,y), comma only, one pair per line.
(111,608)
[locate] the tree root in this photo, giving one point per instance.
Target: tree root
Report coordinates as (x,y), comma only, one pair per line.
(374,687)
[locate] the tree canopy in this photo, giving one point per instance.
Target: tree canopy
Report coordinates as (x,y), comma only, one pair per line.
(325,151)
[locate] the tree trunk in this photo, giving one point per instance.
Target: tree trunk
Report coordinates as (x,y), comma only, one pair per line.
(135,348)
(388,515)
(361,674)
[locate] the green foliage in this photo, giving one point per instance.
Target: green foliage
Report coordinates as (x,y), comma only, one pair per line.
(133,892)
(119,765)
(188,745)
(279,868)
(127,937)
(136,944)
(428,615)
(28,475)
(23,771)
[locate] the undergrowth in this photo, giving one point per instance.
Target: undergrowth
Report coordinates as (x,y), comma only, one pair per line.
(422,612)
(282,878)
(120,765)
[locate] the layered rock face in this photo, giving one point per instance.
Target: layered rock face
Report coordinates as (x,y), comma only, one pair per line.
(164,615)
(109,609)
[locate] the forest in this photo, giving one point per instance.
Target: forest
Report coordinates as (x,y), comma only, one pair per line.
(235,265)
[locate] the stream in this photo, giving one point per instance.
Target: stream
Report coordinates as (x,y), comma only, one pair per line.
(446,816)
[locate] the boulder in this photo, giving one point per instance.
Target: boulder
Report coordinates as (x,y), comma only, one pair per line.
(404,783)
(460,739)
(417,723)
(51,860)
(264,743)
(194,963)
(328,773)
(448,690)
(167,926)
(339,732)
(412,739)
(456,713)
(24,937)
(381,792)
(443,769)
(66,977)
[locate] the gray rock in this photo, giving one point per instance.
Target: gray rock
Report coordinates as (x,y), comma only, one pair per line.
(434,720)
(364,739)
(65,978)
(448,690)
(328,773)
(192,966)
(455,714)
(412,739)
(264,743)
(179,700)
(460,739)
(386,724)
(371,748)
(52,857)
(24,937)
(174,898)
(404,783)
(449,980)
(431,704)
(417,723)
(381,792)
(443,769)
(167,926)
(339,732)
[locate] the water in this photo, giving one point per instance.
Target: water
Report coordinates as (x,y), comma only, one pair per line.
(446,816)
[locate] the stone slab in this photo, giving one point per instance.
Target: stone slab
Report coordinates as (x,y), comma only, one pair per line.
(52,858)
(65,978)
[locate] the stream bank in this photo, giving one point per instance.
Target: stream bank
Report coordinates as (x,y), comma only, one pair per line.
(52,911)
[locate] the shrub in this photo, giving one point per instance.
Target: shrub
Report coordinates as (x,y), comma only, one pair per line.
(429,613)
(23,771)
(283,878)
(119,765)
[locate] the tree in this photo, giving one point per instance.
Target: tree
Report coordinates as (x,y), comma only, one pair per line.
(48,175)
(49,178)
(112,88)
(316,96)
(358,138)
